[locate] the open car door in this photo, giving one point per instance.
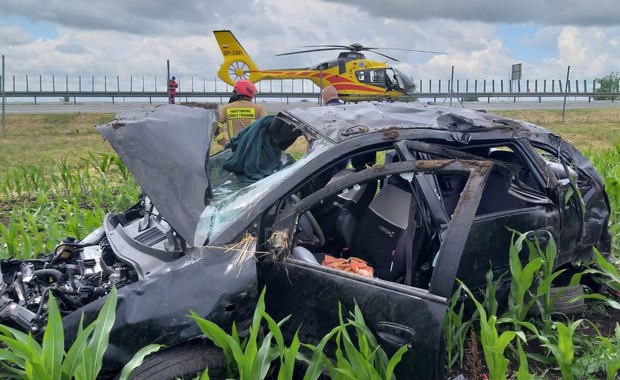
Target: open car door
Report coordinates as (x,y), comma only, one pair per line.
(398,314)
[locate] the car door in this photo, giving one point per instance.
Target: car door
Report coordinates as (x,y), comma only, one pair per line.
(396,313)
(506,206)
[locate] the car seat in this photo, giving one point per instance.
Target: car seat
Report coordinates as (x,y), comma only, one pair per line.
(379,237)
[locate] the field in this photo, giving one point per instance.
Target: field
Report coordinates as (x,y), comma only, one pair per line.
(58,177)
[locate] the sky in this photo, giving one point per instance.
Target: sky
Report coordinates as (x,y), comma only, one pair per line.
(483,39)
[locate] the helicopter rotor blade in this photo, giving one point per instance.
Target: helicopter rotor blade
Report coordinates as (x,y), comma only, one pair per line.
(401,49)
(355,47)
(309,51)
(386,56)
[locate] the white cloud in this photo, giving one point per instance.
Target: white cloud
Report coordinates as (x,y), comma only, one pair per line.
(137,37)
(13,36)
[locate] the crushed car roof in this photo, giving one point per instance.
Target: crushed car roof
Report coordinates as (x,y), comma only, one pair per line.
(338,123)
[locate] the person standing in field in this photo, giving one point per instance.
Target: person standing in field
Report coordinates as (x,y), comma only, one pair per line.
(172,87)
(239,112)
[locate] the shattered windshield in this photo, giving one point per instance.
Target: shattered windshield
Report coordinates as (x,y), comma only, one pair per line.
(232,194)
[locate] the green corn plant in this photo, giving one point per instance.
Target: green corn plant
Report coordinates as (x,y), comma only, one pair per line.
(562,348)
(455,330)
(609,274)
(25,358)
(250,359)
(9,235)
(522,280)
(613,365)
(17,181)
(493,343)
(363,359)
(523,373)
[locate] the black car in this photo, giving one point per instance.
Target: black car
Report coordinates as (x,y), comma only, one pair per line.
(424,194)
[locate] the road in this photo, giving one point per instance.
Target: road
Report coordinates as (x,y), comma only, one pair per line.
(274,107)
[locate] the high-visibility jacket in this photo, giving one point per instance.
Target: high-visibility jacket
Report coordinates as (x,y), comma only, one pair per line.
(173,86)
(235,116)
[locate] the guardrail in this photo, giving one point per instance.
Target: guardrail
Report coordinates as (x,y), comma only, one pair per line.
(222,96)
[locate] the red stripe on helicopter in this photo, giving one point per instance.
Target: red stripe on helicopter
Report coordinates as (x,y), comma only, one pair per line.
(349,87)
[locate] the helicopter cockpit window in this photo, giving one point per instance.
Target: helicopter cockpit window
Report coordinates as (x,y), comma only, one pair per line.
(392,80)
(377,77)
(360,76)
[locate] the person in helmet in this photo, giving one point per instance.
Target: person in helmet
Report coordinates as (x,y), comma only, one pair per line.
(172,87)
(239,112)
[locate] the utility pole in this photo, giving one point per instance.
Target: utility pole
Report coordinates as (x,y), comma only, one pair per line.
(168,80)
(3,100)
(565,92)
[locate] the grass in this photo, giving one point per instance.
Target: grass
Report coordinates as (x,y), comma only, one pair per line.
(41,139)
(587,129)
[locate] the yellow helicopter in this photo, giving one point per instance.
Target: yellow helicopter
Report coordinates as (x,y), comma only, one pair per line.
(354,77)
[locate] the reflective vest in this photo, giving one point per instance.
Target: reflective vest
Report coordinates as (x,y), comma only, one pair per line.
(237,115)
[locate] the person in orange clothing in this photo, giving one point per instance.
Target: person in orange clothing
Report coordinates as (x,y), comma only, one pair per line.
(239,112)
(172,86)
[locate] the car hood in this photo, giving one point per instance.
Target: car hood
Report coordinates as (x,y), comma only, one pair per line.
(166,148)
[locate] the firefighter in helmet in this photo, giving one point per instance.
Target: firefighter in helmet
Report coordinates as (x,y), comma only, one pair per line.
(239,112)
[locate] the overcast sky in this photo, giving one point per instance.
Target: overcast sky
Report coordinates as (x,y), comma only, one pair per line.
(483,38)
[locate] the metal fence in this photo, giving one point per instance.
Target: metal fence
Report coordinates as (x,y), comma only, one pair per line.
(71,88)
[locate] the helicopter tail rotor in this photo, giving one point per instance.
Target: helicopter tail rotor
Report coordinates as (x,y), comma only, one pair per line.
(237,63)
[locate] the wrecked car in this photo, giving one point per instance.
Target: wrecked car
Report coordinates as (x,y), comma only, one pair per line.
(423,194)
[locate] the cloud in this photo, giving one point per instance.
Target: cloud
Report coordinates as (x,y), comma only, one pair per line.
(13,36)
(123,38)
(573,12)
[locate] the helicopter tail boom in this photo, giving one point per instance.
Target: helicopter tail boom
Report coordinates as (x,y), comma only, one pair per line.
(237,62)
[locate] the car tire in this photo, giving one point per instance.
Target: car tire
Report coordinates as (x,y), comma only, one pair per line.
(182,362)
(562,296)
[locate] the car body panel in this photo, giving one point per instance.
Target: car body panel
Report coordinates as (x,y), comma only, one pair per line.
(214,284)
(166,148)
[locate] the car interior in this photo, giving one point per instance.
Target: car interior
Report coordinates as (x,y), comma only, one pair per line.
(391,222)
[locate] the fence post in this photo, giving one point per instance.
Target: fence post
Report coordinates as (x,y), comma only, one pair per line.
(53,84)
(26,82)
(93,84)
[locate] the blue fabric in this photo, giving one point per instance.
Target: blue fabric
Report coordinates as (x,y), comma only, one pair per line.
(255,155)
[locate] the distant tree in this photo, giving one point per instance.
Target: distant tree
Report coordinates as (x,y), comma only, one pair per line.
(609,83)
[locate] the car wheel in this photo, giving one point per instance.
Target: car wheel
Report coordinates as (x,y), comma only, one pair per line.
(567,300)
(183,362)
(564,299)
